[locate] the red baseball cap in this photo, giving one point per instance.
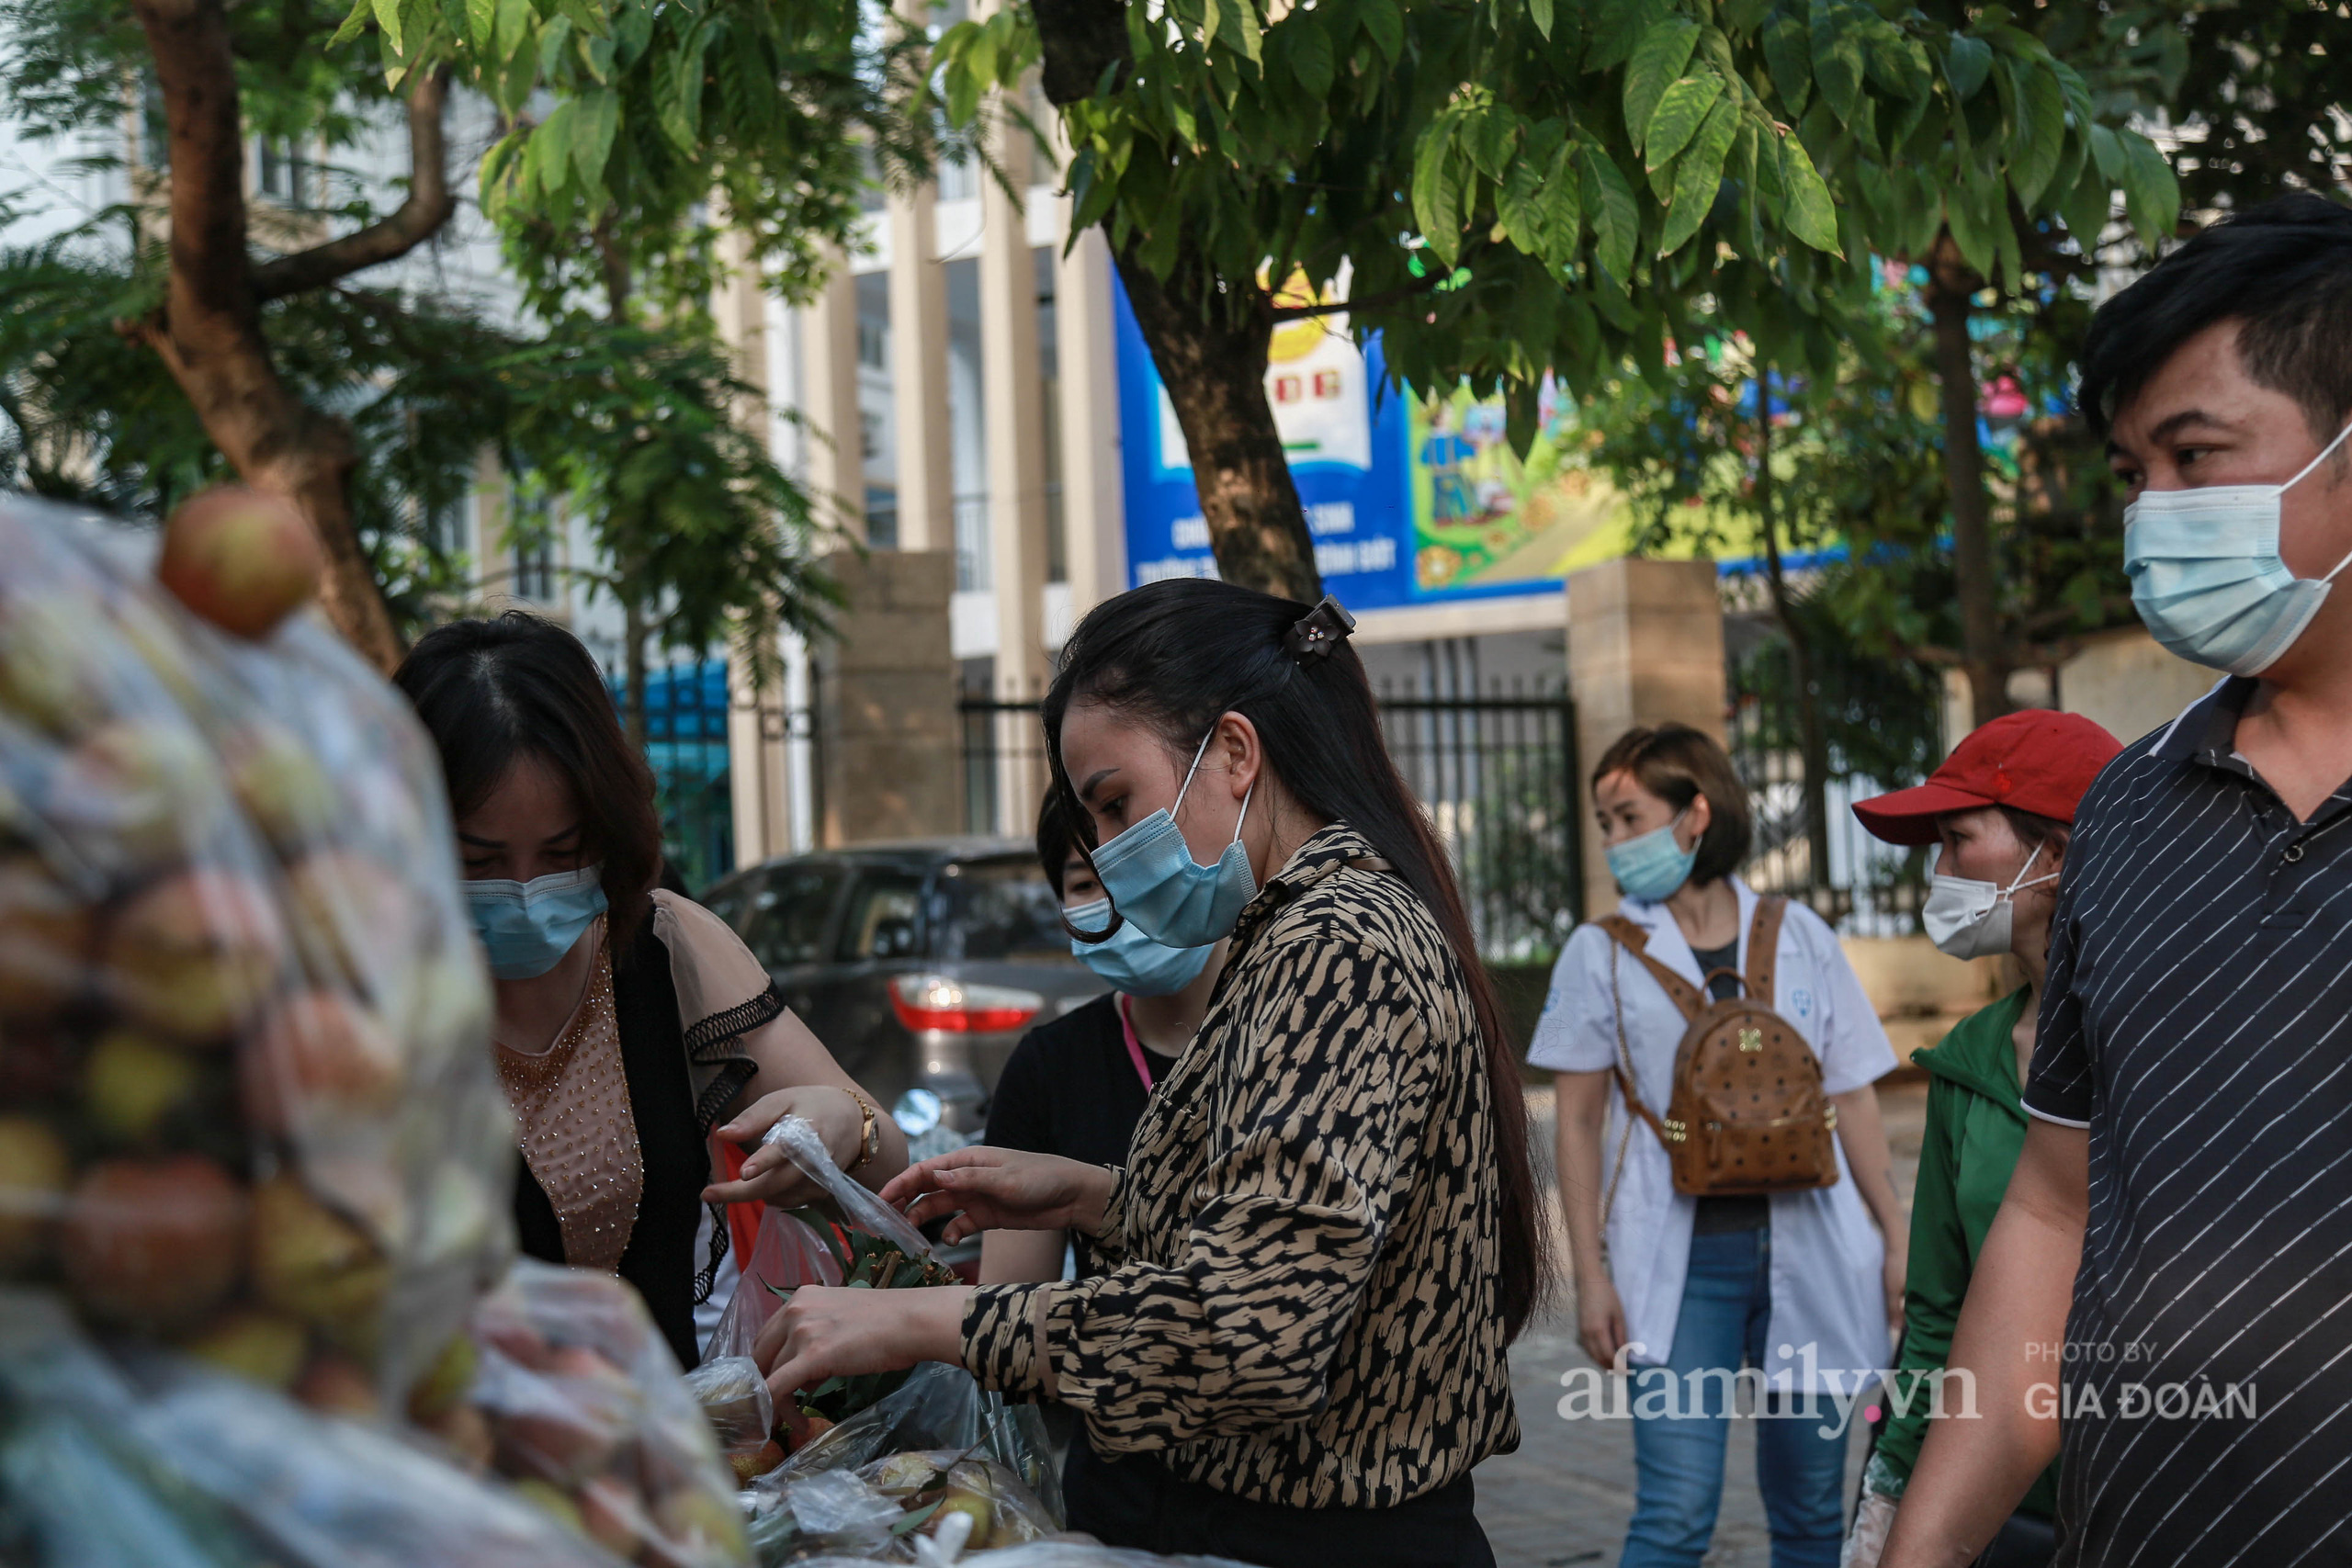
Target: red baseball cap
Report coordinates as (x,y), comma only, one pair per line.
(2036,760)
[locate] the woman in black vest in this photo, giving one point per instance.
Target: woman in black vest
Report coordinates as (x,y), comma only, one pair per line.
(632,1025)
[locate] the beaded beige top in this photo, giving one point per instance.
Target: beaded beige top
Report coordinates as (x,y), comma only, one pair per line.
(579,1133)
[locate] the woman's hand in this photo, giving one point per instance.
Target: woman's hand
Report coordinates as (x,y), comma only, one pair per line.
(989,1190)
(769,1174)
(1600,1319)
(1891,1276)
(836,1331)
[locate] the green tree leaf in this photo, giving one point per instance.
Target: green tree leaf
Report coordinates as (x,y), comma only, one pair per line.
(1385,24)
(1309,49)
(1540,13)
(1656,61)
(2043,105)
(1971,228)
(1680,114)
(1965,65)
(1699,176)
(2150,193)
(1837,58)
(388,16)
(1618,26)
(1609,210)
(1788,52)
(1811,216)
(596,117)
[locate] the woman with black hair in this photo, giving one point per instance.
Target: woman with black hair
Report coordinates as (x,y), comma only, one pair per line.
(1326,1233)
(632,1025)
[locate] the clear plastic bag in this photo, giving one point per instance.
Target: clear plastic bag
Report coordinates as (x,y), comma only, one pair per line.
(160,1463)
(939,1408)
(1047,1554)
(903,1507)
(587,1413)
(788,1255)
(247,1107)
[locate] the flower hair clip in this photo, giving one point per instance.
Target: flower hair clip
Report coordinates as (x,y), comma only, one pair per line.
(1317,632)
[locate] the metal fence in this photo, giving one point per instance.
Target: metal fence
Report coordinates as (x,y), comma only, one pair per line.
(686,745)
(1880,727)
(1496,774)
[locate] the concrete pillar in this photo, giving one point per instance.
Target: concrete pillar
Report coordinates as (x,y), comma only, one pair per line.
(758,777)
(926,476)
(888,730)
(836,468)
(1094,509)
(1646,644)
(1013,390)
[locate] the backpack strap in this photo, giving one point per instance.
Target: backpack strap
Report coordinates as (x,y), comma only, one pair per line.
(1764,948)
(1635,941)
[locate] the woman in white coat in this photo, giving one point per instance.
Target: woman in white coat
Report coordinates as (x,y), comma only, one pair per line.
(1803,1286)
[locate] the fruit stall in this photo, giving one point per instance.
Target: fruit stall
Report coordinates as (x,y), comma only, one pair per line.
(259,1302)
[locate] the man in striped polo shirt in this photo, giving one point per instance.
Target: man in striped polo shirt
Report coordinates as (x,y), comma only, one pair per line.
(2169,1282)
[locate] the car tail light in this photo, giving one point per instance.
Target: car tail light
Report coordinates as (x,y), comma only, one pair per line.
(959,1006)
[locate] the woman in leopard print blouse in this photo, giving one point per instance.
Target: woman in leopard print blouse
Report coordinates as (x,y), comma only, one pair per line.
(1325,1235)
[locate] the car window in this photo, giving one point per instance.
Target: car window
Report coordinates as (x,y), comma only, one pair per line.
(784,920)
(731,897)
(1000,908)
(884,916)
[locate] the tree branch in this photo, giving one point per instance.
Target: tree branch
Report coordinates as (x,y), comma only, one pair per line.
(197,75)
(429,204)
(1387,297)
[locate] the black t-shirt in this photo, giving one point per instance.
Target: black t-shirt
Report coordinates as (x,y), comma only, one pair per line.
(1071,1088)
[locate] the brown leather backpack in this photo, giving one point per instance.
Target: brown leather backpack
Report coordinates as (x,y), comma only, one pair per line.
(1748,1115)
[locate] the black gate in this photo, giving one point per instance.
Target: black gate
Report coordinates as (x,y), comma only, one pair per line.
(1497,776)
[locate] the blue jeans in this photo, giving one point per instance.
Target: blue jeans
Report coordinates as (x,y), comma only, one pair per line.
(1679,1462)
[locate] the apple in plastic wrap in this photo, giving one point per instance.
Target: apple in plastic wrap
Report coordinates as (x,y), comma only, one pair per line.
(242,560)
(54,673)
(194,955)
(314,1265)
(614,1515)
(319,1058)
(280,784)
(130,1083)
(34,1175)
(259,1347)
(46,933)
(139,794)
(575,1427)
(154,1244)
(354,917)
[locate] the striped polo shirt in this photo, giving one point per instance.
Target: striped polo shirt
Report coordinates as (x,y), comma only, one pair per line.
(2198,1020)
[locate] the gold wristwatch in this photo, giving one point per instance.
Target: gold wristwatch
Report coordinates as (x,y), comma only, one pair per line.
(869,1134)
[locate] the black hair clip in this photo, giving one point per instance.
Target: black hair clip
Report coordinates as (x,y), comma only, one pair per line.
(1317,632)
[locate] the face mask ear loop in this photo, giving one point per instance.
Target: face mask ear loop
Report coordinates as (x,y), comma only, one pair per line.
(2010,892)
(1186,787)
(1245,810)
(2314,463)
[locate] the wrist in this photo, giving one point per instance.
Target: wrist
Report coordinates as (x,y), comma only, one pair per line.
(1093,1200)
(936,1330)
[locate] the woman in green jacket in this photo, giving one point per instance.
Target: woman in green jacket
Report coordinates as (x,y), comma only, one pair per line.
(2000,810)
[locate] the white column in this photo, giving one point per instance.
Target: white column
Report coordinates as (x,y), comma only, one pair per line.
(1013,392)
(919,373)
(1094,509)
(836,469)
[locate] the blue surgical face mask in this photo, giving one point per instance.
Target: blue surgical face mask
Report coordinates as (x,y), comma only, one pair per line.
(1150,875)
(1651,865)
(2206,576)
(1131,961)
(529,926)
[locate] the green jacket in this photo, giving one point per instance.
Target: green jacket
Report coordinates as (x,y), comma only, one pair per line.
(1975,1132)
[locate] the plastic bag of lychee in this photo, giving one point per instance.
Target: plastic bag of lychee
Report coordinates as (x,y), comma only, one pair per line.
(245,1108)
(575,1398)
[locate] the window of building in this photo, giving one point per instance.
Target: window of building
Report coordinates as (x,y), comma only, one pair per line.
(283,174)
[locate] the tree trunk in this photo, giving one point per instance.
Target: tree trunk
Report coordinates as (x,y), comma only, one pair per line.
(208,332)
(1211,352)
(1983,658)
(1209,343)
(633,635)
(1813,737)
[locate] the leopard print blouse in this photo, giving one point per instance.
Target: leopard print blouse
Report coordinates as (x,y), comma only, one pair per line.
(1305,1240)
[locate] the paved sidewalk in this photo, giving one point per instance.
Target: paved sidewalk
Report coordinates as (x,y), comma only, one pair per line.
(1565,1497)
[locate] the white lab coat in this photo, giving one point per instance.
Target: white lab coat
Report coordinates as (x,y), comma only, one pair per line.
(1826,1255)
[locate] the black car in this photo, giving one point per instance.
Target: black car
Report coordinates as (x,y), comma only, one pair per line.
(919,965)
